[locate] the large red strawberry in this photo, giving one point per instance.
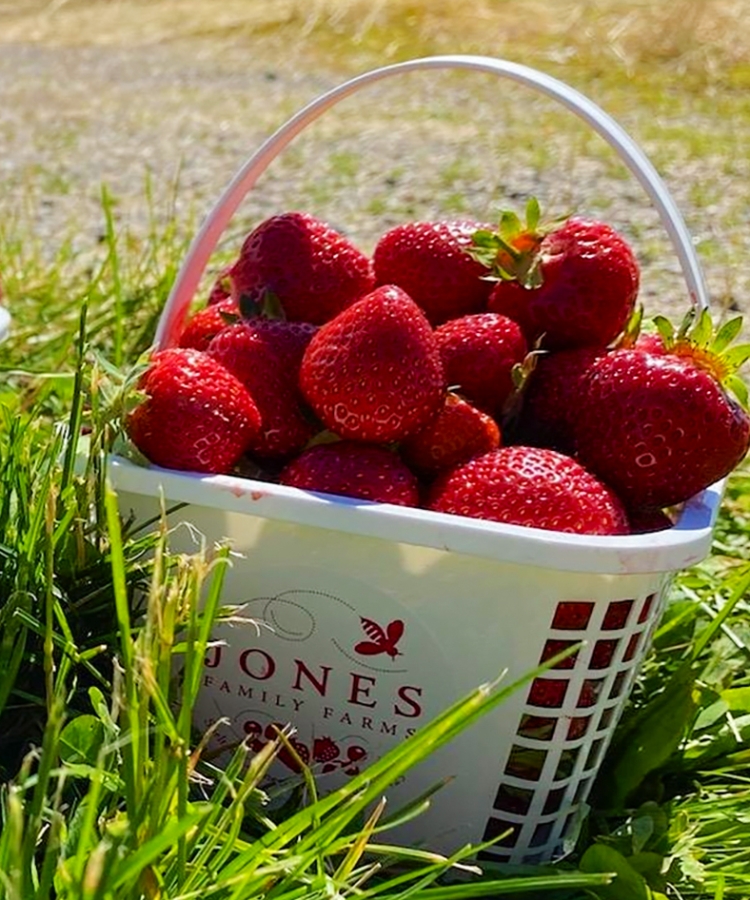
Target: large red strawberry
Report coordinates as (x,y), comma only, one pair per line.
(529,486)
(458,433)
(196,417)
(374,372)
(659,427)
(313,271)
(479,353)
(205,324)
(248,355)
(429,261)
(551,397)
(353,469)
(571,286)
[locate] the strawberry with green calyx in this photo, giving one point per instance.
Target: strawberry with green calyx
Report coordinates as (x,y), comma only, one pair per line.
(478,353)
(312,270)
(571,285)
(196,417)
(353,469)
(429,261)
(697,341)
(510,252)
(458,433)
(661,427)
(529,486)
(374,372)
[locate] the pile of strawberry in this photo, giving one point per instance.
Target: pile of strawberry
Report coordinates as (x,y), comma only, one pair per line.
(487,372)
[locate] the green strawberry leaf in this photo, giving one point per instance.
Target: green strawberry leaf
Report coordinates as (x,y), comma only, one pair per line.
(736,356)
(533,214)
(687,323)
(483,237)
(510,224)
(738,387)
(702,332)
(665,329)
(726,334)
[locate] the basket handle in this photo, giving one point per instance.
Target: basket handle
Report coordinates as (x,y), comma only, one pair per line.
(637,162)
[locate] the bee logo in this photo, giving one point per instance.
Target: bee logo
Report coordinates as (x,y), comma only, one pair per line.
(381,640)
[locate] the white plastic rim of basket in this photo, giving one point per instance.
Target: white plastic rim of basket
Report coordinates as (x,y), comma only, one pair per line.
(205,242)
(4,323)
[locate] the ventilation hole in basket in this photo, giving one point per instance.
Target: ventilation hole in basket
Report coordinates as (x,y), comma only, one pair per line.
(603,653)
(572,615)
(632,647)
(538,728)
(548,692)
(578,727)
(590,690)
(566,763)
(582,791)
(606,718)
(594,753)
(533,859)
(513,799)
(552,648)
(542,834)
(617,614)
(554,801)
(487,856)
(617,685)
(648,603)
(497,827)
(525,762)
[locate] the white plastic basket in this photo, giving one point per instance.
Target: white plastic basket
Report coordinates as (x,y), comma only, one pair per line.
(374,618)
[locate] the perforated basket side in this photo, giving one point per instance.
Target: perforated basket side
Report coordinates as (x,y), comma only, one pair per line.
(566,725)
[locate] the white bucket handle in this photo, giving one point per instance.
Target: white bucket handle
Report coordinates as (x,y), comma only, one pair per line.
(205,242)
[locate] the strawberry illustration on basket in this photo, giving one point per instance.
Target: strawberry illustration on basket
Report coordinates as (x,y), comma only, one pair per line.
(382,640)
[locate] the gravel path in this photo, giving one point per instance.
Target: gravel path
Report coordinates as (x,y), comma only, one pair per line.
(189,112)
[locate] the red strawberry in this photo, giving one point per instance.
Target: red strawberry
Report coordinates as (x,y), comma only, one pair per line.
(479,353)
(312,270)
(288,340)
(659,428)
(374,372)
(551,397)
(273,386)
(458,433)
(529,486)
(197,416)
(647,520)
(651,342)
(429,261)
(204,325)
(353,469)
(576,287)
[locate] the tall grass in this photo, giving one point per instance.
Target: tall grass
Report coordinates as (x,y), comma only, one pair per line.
(111,797)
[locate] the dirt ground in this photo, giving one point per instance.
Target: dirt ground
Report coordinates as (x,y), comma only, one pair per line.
(185,113)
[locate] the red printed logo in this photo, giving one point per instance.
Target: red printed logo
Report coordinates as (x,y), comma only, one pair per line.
(381,640)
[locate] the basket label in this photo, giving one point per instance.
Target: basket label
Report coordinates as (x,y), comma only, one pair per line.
(351,682)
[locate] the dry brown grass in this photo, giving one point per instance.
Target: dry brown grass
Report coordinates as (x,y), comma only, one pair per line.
(703,35)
